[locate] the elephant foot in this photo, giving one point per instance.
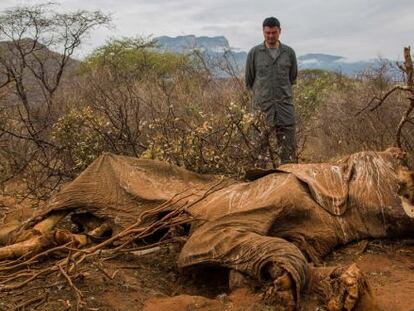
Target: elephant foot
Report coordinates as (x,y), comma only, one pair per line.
(343,288)
(280,291)
(350,286)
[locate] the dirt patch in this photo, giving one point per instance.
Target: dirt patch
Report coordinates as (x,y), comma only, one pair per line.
(389,268)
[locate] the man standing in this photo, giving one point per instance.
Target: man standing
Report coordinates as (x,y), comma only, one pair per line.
(271,69)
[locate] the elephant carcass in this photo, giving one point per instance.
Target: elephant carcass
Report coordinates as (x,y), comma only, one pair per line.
(271,230)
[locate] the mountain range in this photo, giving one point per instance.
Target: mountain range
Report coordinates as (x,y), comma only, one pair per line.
(218,46)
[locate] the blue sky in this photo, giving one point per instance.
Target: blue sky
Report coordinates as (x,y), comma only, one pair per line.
(356,29)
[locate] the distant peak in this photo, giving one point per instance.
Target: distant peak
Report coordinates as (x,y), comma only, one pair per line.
(320,57)
(189,42)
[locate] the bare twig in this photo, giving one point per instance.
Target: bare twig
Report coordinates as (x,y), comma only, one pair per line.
(78,293)
(23,305)
(408,70)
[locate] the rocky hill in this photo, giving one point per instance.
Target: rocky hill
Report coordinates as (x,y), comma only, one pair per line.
(332,63)
(217,46)
(40,63)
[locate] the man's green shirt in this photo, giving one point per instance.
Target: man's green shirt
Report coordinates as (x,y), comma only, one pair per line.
(270,78)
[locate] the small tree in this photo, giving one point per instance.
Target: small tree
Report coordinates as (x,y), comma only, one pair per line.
(32,74)
(408,87)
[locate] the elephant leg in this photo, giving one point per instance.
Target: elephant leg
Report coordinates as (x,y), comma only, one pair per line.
(43,227)
(42,236)
(35,245)
(276,264)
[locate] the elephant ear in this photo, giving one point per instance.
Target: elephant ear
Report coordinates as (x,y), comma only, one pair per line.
(369,178)
(327,183)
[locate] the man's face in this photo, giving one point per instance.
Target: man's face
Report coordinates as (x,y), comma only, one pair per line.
(271,35)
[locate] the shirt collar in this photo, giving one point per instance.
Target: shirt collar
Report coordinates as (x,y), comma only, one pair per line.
(263,46)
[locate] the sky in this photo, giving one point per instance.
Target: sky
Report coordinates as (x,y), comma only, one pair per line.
(355,29)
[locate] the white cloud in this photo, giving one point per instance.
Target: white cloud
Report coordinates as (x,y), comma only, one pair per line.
(357,29)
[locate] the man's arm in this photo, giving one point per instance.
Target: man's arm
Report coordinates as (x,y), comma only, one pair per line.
(294,69)
(249,71)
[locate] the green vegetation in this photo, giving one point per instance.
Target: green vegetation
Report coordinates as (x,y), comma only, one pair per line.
(136,59)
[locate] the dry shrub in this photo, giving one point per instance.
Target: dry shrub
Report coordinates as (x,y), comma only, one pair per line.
(128,98)
(178,112)
(346,126)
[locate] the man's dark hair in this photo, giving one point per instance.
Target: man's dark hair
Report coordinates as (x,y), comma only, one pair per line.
(271,22)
